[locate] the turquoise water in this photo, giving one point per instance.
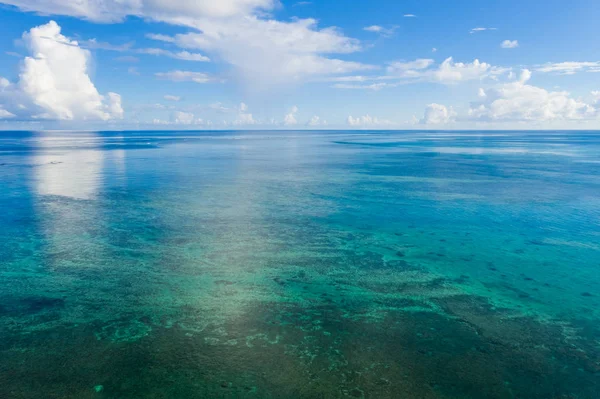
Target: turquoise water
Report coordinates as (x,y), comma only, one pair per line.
(300,265)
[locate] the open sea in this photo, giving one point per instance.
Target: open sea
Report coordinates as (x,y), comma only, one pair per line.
(282,264)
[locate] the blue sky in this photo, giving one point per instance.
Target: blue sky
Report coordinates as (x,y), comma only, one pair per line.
(264,64)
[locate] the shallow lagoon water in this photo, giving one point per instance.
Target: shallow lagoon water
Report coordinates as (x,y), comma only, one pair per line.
(300,264)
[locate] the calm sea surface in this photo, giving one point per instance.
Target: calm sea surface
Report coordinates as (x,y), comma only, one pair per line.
(300,265)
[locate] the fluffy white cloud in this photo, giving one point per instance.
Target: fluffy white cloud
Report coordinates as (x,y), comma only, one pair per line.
(366,121)
(244,119)
(436,114)
(169,97)
(596,97)
(519,101)
(238,32)
(410,16)
(54,81)
(184,118)
(454,72)
(569,67)
(316,121)
(423,70)
(185,76)
(509,44)
(290,118)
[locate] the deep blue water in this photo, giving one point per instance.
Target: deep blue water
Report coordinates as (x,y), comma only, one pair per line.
(299,264)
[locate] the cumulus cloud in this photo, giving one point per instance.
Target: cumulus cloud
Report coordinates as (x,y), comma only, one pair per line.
(169,97)
(316,121)
(454,72)
(184,118)
(54,82)
(437,114)
(509,44)
(244,117)
(185,76)
(290,118)
(366,121)
(519,101)
(448,72)
(569,67)
(422,70)
(238,32)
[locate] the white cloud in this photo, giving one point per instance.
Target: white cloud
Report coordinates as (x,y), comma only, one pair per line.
(421,70)
(184,118)
(169,97)
(290,118)
(239,32)
(372,86)
(54,81)
(316,121)
(93,44)
(596,97)
(509,44)
(434,50)
(437,114)
(519,101)
(453,72)
(385,32)
(244,119)
(410,16)
(448,72)
(569,67)
(408,68)
(5,114)
(172,11)
(253,45)
(366,121)
(475,30)
(185,76)
(373,28)
(180,55)
(133,71)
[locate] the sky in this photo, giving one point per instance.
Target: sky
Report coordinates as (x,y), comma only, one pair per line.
(322,64)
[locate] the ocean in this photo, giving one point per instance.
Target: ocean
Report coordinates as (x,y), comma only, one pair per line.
(300,264)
